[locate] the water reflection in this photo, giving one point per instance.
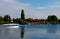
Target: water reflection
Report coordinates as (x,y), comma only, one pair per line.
(30,32)
(22,31)
(52,28)
(4,33)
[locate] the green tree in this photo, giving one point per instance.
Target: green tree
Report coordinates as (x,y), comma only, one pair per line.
(22,14)
(7,19)
(52,19)
(22,20)
(15,20)
(1,20)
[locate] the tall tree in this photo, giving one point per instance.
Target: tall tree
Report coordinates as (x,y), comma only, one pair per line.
(22,20)
(22,14)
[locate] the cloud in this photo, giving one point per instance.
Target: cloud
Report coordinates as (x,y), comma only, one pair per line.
(15,4)
(53,6)
(42,8)
(8,0)
(49,7)
(12,7)
(53,9)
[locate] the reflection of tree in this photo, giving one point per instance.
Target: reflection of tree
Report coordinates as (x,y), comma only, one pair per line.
(22,32)
(52,28)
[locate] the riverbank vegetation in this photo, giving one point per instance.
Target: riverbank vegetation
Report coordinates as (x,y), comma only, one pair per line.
(51,19)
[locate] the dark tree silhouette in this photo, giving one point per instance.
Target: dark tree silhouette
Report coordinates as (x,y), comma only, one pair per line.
(7,19)
(22,20)
(1,20)
(52,19)
(22,14)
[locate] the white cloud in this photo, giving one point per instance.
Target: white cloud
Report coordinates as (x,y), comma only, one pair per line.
(53,9)
(42,7)
(8,0)
(53,6)
(49,7)
(12,7)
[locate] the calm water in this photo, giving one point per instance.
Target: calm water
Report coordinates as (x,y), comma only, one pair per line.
(41,31)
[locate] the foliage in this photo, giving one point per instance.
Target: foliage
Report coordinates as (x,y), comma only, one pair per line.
(1,20)
(7,19)
(29,20)
(22,20)
(52,19)
(16,20)
(22,14)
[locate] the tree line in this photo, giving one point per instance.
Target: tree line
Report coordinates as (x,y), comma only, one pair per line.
(7,19)
(51,19)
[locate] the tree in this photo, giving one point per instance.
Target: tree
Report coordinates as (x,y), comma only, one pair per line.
(15,20)
(52,19)
(22,20)
(1,20)
(29,19)
(7,19)
(22,14)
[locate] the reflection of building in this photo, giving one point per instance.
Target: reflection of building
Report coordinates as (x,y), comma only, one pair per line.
(52,28)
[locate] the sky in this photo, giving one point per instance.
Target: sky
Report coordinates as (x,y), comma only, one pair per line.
(36,9)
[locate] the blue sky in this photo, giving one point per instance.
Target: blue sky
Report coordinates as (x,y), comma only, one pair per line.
(39,2)
(37,9)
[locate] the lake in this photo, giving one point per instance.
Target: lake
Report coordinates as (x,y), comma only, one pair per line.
(37,31)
